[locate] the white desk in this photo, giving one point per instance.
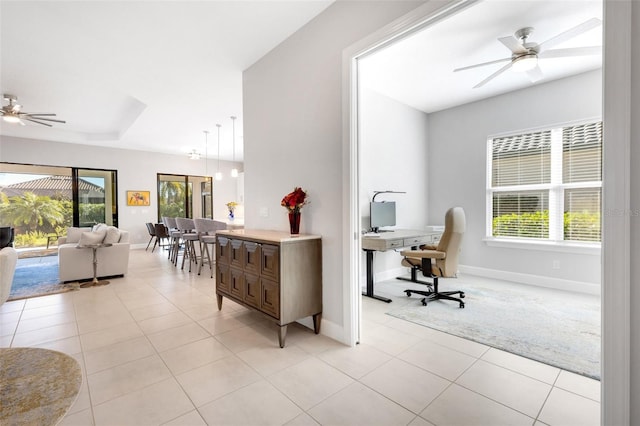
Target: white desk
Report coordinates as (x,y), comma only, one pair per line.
(391,240)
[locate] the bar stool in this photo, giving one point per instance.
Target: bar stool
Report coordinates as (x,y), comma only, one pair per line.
(175,237)
(207,228)
(186,227)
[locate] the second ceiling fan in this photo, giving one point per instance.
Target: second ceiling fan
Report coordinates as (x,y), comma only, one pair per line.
(525,54)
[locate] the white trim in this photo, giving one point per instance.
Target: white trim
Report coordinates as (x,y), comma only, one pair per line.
(616,231)
(427,14)
(543,245)
(542,128)
(535,280)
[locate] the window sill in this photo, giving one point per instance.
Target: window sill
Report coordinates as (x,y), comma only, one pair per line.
(563,247)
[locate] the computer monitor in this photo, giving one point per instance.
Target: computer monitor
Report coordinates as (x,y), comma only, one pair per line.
(382,214)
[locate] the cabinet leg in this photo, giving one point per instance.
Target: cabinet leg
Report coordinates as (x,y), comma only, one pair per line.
(219,301)
(317,319)
(282,335)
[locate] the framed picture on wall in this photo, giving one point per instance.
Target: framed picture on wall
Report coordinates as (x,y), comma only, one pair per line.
(138,198)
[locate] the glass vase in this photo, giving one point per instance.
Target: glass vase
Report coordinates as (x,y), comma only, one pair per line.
(294,223)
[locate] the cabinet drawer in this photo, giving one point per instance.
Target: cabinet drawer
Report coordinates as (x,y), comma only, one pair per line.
(236,283)
(223,250)
(252,257)
(394,243)
(270,264)
(416,241)
(270,302)
(223,278)
(236,254)
(252,290)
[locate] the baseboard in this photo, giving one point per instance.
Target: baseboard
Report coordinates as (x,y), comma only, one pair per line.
(327,328)
(389,274)
(537,280)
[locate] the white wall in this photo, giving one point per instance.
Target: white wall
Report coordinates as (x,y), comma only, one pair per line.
(635,218)
(137,170)
(457,169)
(293,133)
(393,156)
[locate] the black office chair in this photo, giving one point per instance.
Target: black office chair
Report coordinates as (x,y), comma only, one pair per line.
(152,234)
(445,255)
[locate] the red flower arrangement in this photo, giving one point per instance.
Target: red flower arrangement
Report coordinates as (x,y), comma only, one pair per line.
(294,201)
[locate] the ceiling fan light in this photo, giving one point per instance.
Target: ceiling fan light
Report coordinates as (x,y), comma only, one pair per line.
(11,118)
(525,62)
(194,155)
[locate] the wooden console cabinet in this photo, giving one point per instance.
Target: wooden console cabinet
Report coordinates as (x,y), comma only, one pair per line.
(271,272)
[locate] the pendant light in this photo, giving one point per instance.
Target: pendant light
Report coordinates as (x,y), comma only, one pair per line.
(234,171)
(218,173)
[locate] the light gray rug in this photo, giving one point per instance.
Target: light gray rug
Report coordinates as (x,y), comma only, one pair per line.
(554,327)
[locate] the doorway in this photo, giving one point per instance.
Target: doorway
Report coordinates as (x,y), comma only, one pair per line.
(616,258)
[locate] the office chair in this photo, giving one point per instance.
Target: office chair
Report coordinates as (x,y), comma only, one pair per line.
(445,255)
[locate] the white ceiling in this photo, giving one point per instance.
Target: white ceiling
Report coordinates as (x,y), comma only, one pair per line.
(145,75)
(152,75)
(418,70)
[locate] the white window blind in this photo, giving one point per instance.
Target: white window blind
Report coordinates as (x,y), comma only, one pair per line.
(582,163)
(547,184)
(522,159)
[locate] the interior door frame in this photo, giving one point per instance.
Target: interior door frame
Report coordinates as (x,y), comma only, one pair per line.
(616,258)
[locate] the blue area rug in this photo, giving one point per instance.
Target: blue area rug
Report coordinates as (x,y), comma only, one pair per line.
(554,327)
(37,276)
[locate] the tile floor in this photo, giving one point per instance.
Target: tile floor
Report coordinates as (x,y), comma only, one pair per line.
(155,350)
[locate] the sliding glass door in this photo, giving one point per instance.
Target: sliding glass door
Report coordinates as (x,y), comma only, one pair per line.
(96,194)
(184,196)
(41,202)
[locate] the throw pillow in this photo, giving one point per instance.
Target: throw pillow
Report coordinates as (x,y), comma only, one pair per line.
(73,234)
(99,227)
(113,235)
(91,238)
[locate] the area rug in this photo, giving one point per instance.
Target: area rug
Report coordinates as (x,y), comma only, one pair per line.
(554,327)
(37,276)
(38,386)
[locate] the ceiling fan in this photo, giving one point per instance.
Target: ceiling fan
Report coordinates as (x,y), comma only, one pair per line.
(11,114)
(525,54)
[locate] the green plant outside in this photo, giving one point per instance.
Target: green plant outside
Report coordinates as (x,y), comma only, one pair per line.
(578,226)
(36,217)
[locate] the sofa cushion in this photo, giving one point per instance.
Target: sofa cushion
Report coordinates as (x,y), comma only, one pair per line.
(73,234)
(112,235)
(91,238)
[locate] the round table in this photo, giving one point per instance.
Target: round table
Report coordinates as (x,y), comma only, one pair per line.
(95,248)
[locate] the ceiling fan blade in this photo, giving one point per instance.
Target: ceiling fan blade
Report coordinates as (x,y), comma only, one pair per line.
(37,113)
(570,33)
(492,76)
(513,44)
(574,51)
(497,61)
(535,74)
(43,119)
(34,121)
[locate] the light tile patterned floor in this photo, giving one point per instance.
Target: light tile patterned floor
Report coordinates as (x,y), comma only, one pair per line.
(155,350)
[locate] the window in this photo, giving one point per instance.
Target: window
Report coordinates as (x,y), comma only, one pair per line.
(546,185)
(184,196)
